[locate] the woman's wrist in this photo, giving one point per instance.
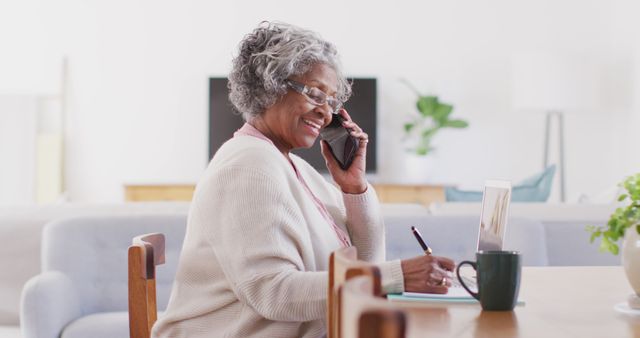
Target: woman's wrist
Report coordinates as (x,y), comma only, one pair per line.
(355,189)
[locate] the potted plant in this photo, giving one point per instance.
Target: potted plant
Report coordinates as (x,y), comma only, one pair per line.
(624,223)
(432,116)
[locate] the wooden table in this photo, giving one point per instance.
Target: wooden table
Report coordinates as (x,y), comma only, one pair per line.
(559,302)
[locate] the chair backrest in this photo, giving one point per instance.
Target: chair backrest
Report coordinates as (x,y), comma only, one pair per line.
(366,315)
(344,264)
(145,252)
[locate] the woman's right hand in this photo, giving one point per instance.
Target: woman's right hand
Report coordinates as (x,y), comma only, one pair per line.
(352,180)
(426,273)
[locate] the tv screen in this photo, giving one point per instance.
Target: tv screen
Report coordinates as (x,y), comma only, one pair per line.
(224,120)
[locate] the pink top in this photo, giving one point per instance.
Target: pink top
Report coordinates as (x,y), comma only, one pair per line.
(250,130)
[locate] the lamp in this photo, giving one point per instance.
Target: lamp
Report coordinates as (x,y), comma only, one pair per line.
(554,83)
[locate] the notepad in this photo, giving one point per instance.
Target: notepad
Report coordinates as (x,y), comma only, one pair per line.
(454,292)
(453,296)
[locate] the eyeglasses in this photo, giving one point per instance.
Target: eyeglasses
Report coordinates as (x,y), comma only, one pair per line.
(314,95)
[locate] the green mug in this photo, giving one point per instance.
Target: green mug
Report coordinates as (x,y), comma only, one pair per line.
(498,277)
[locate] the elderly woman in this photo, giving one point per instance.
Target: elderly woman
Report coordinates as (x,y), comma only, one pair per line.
(263,222)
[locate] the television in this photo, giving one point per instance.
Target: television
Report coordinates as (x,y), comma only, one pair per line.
(224,120)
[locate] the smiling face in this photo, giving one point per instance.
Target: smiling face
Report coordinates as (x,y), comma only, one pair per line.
(293,122)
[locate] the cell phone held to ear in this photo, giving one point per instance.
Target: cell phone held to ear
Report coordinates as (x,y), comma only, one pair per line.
(342,144)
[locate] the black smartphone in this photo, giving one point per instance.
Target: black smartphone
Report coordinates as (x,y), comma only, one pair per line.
(343,146)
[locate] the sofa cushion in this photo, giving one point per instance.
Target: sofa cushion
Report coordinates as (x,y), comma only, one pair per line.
(569,245)
(92,252)
(100,325)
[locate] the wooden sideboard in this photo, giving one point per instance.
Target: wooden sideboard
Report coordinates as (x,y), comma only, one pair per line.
(388,193)
(404,193)
(158,192)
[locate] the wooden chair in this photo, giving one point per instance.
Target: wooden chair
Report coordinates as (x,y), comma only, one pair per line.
(145,252)
(366,315)
(382,323)
(344,265)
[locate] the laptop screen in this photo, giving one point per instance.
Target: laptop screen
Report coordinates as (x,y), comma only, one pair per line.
(493,218)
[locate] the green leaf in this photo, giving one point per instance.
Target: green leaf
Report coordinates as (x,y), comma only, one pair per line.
(610,233)
(622,218)
(422,150)
(614,249)
(442,112)
(456,124)
(424,147)
(428,133)
(604,244)
(427,105)
(408,127)
(609,245)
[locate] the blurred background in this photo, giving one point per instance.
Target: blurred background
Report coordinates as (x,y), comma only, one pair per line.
(97,95)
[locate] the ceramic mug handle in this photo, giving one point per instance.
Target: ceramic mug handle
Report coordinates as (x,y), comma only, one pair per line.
(475,267)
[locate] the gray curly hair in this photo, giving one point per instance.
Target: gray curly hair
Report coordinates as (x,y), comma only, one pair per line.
(268,56)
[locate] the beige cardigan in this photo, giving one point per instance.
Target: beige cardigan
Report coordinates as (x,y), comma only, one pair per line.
(255,256)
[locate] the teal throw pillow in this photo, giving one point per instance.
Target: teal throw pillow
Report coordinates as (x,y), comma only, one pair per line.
(536,188)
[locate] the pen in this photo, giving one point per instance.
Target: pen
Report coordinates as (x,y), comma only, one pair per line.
(425,247)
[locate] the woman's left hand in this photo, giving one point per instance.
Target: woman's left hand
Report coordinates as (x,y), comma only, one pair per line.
(352,180)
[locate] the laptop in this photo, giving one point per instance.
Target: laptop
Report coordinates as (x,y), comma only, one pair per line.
(493,217)
(496,198)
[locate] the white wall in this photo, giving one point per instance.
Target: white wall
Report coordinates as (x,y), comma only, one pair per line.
(17,149)
(139,69)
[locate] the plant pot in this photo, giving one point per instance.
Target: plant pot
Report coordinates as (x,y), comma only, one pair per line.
(417,169)
(631,258)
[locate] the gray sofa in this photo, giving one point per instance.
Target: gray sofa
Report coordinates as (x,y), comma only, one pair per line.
(20,244)
(81,288)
